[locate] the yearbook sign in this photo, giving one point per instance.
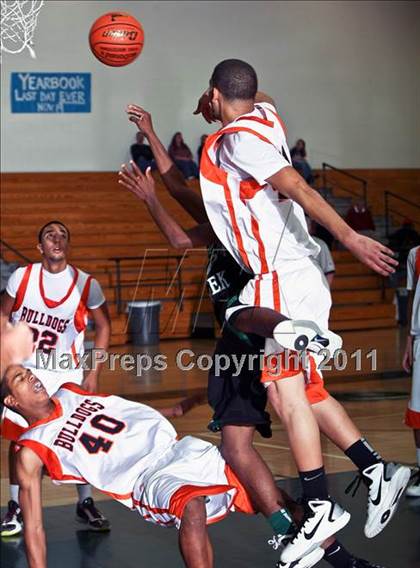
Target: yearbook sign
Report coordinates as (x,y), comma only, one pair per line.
(50,92)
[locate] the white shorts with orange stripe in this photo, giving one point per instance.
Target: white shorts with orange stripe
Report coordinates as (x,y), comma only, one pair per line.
(412,416)
(298,290)
(13,424)
(191,468)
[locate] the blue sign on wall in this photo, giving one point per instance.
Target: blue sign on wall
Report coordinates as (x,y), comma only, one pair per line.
(50,92)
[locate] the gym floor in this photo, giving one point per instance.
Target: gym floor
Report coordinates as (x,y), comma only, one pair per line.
(376,400)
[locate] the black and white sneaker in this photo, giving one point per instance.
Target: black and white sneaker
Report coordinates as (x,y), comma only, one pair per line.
(12,522)
(89,514)
(413,490)
(278,542)
(386,484)
(298,335)
(322,519)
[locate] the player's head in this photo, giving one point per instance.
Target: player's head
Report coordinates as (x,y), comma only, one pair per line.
(232,80)
(53,240)
(139,137)
(21,390)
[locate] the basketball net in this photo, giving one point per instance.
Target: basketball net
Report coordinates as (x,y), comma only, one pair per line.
(18,23)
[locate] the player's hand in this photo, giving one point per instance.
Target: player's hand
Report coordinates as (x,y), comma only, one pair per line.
(372,253)
(90,382)
(141,118)
(205,108)
(16,344)
(407,362)
(143,186)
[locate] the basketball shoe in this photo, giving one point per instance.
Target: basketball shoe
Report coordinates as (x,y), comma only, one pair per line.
(89,514)
(322,518)
(279,541)
(386,483)
(12,523)
(298,335)
(360,563)
(413,490)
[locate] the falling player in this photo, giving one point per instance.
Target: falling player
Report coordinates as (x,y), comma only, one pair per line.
(54,298)
(411,361)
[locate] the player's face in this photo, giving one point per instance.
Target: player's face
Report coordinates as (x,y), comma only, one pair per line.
(24,387)
(54,242)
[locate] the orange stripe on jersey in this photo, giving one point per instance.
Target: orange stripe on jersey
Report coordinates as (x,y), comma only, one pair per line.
(118,496)
(257,119)
(248,188)
(50,460)
(55,303)
(82,310)
(184,494)
(261,249)
(11,431)
(417,265)
(236,230)
(412,419)
(257,295)
(278,119)
(276,292)
(20,294)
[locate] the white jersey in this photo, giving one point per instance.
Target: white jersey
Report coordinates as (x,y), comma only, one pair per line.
(260,228)
(55,306)
(103,440)
(413,283)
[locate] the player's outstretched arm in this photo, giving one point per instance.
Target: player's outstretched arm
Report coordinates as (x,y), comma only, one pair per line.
(372,253)
(173,179)
(143,187)
(29,470)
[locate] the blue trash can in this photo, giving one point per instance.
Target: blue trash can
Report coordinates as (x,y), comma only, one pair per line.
(143,322)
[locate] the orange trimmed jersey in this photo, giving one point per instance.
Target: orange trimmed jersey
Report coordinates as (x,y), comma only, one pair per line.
(413,283)
(104,440)
(259,227)
(58,321)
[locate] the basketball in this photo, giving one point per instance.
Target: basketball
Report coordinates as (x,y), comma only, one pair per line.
(116,39)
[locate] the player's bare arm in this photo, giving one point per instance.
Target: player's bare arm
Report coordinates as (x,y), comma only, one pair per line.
(372,253)
(6,305)
(102,323)
(29,472)
(143,187)
(407,362)
(174,181)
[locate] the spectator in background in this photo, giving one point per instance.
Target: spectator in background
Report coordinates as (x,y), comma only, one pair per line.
(360,219)
(200,148)
(182,156)
(142,154)
(299,161)
(404,239)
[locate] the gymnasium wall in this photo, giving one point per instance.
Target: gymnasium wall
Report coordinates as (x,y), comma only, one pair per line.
(343,75)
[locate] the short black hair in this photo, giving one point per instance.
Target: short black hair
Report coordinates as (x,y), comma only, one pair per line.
(235,79)
(4,392)
(55,222)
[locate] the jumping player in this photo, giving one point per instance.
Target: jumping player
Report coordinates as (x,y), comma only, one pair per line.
(411,360)
(239,402)
(54,298)
(255,202)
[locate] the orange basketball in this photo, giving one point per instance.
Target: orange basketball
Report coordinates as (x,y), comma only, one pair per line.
(116,39)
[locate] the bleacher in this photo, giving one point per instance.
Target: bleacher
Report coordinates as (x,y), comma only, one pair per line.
(108,222)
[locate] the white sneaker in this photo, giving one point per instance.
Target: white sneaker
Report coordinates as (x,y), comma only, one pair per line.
(413,490)
(386,484)
(279,542)
(12,522)
(322,519)
(298,335)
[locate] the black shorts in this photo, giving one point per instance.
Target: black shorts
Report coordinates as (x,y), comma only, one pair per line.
(238,400)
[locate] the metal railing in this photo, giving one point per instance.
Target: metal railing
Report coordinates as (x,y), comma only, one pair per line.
(387,196)
(14,251)
(363,182)
(156,281)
